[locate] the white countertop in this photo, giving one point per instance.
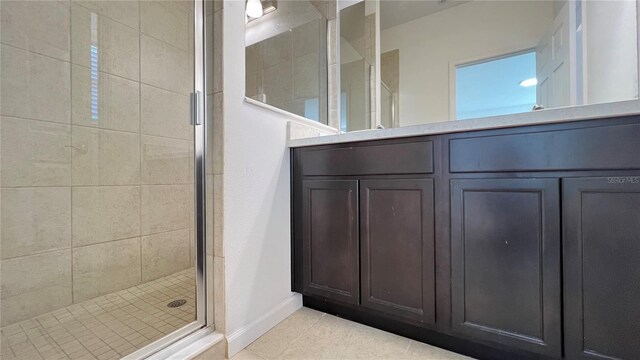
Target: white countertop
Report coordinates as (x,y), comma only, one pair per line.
(575,113)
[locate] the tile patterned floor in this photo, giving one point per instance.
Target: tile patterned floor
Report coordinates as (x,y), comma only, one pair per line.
(107,327)
(309,334)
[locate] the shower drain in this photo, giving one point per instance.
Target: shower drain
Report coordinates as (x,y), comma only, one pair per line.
(177,303)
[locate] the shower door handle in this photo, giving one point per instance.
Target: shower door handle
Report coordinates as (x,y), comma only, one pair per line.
(195,106)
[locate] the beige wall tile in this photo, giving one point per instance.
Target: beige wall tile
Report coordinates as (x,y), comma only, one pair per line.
(165,66)
(165,161)
(167,21)
(278,83)
(307,37)
(35,153)
(332,46)
(118,45)
(164,254)
(120,159)
(165,113)
(105,213)
(218,286)
(215,134)
(306,77)
(209,214)
(218,216)
(125,11)
(192,247)
(278,49)
(35,86)
(104,268)
(38,26)
(105,157)
(165,208)
(35,220)
(118,101)
(85,153)
(214,53)
(34,285)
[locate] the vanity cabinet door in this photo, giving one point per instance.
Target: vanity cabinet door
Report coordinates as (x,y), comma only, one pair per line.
(397,247)
(505,252)
(602,267)
(330,239)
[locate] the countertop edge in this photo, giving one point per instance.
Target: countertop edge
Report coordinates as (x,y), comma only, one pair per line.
(560,115)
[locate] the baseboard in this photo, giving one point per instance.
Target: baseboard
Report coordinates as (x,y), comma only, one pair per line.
(250,332)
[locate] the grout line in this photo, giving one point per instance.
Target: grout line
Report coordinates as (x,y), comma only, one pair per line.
(92,185)
(97,128)
(140,125)
(39,53)
(107,312)
(139,81)
(303,332)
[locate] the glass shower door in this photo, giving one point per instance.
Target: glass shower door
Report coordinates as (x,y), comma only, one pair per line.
(98,164)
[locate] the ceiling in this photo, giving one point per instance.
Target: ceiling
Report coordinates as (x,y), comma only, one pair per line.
(396,12)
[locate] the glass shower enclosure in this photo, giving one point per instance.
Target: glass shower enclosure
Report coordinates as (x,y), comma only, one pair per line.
(102,177)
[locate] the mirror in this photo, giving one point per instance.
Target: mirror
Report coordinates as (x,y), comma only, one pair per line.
(392,63)
(357,66)
(454,60)
(286,56)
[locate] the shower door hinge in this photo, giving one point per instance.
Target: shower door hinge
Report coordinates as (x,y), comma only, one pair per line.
(195,108)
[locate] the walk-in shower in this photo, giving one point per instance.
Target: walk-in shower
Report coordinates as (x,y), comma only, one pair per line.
(102,177)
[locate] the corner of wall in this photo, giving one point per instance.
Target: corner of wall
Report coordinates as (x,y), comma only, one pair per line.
(247,334)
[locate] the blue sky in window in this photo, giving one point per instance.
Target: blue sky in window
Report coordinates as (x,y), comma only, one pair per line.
(312,109)
(493,87)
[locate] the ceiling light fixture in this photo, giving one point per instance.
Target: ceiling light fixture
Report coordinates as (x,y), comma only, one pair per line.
(254,8)
(529,82)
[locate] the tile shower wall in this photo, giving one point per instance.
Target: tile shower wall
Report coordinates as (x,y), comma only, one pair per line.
(96,190)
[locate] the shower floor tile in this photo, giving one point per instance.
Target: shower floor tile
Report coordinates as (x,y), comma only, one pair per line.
(107,327)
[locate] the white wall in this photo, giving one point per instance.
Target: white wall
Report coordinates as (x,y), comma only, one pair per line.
(256,202)
(611,51)
(466,32)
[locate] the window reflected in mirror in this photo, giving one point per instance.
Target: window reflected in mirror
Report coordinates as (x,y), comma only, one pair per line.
(496,86)
(459,60)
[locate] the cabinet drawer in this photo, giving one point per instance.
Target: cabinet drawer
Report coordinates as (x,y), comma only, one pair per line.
(414,157)
(594,148)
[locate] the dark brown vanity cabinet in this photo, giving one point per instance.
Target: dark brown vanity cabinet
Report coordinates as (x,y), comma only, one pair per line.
(513,243)
(602,267)
(330,239)
(376,250)
(505,261)
(397,247)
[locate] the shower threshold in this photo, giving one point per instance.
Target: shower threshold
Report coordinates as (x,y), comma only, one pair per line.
(107,327)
